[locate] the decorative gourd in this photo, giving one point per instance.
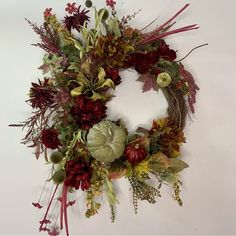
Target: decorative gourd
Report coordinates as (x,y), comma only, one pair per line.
(135,153)
(106,141)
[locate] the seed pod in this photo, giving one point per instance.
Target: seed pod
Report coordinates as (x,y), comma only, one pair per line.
(88,3)
(59,177)
(56,157)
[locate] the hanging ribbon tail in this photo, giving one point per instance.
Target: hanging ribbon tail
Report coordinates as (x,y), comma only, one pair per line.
(63,216)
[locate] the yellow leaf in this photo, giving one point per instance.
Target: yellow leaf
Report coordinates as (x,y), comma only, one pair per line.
(109,83)
(101,75)
(142,168)
(77,91)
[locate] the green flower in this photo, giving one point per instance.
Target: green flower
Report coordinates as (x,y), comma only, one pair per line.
(163,80)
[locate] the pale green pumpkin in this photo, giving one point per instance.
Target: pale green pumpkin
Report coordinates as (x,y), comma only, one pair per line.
(106,141)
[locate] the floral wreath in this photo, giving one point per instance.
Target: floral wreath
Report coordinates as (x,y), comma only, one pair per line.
(69,127)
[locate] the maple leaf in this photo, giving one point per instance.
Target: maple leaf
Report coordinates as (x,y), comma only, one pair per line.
(149,82)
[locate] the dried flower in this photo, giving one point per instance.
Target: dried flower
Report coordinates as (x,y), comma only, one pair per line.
(50,139)
(77,20)
(41,95)
(86,112)
(78,175)
(166,137)
(142,62)
(165,52)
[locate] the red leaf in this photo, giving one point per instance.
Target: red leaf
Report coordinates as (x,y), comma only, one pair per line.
(149,82)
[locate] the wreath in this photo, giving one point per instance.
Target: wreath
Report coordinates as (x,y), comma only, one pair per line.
(69,127)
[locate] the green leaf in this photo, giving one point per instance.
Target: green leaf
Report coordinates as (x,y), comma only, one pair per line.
(114,26)
(177,165)
(110,192)
(98,18)
(74,66)
(169,177)
(159,162)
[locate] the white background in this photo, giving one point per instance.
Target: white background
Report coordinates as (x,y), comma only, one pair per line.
(209,185)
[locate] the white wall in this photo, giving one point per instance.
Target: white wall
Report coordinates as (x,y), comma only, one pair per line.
(209,186)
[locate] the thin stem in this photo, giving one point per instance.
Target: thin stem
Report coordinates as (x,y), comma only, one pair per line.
(202,45)
(149,24)
(49,205)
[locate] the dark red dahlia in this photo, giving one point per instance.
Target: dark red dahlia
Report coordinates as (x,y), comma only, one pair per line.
(113,74)
(165,52)
(77,20)
(50,139)
(41,95)
(78,175)
(143,62)
(87,112)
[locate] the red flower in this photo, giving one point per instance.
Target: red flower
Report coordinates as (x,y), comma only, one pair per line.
(111,3)
(165,52)
(47,12)
(87,112)
(78,175)
(71,8)
(50,138)
(77,20)
(41,95)
(143,62)
(113,74)
(135,153)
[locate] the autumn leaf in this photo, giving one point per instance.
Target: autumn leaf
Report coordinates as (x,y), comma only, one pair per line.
(159,162)
(149,82)
(177,165)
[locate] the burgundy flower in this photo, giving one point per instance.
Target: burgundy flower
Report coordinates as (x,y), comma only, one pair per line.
(71,8)
(165,52)
(47,12)
(77,20)
(78,175)
(87,112)
(143,62)
(111,3)
(113,74)
(50,139)
(41,95)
